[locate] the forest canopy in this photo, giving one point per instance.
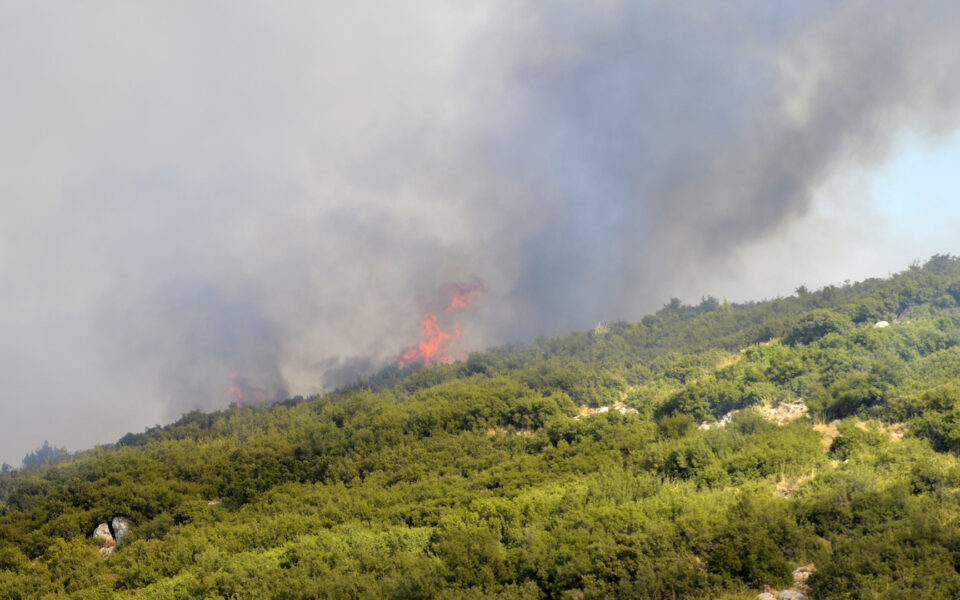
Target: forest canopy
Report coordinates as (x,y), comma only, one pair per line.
(705,451)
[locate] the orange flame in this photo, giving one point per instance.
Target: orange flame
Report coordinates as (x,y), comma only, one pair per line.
(245,393)
(461,295)
(435,342)
(432,347)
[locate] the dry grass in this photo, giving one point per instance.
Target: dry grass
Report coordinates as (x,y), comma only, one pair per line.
(828,432)
(729,358)
(788,487)
(896,431)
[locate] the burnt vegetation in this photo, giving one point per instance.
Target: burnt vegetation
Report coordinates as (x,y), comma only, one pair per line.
(636,460)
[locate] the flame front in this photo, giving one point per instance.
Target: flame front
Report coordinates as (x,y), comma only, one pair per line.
(461,295)
(435,342)
(245,393)
(432,347)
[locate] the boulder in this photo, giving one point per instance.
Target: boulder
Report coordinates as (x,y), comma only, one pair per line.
(881,324)
(121,527)
(103,536)
(766,596)
(104,539)
(791,595)
(802,573)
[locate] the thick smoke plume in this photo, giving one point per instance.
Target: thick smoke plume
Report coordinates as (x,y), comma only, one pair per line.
(270,190)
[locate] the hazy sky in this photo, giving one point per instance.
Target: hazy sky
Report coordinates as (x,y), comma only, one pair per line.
(189,190)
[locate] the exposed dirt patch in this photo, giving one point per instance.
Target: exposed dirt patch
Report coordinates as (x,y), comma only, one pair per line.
(784,412)
(620,407)
(587,411)
(896,431)
(787,487)
(828,432)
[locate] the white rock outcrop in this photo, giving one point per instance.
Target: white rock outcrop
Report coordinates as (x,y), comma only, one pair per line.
(799,589)
(108,536)
(121,527)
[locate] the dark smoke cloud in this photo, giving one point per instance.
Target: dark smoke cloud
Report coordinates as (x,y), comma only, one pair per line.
(190,193)
(666,136)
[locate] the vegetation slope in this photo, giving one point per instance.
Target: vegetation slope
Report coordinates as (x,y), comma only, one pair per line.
(491,478)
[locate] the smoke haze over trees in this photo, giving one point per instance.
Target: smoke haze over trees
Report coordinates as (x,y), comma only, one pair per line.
(188,193)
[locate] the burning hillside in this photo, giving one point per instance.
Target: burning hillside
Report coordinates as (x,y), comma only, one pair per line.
(438,340)
(245,393)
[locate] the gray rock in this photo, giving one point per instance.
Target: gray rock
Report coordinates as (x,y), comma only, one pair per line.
(121,527)
(766,596)
(791,595)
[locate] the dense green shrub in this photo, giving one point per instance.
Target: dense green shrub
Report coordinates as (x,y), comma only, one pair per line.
(588,466)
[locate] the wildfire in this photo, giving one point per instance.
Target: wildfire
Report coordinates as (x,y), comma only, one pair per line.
(461,295)
(435,342)
(244,393)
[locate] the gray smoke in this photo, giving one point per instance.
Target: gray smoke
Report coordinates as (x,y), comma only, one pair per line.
(662,137)
(189,193)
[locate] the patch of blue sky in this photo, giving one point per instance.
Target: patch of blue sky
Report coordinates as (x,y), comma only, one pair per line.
(867,221)
(917,193)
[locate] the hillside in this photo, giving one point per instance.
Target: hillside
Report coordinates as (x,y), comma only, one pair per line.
(704,452)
